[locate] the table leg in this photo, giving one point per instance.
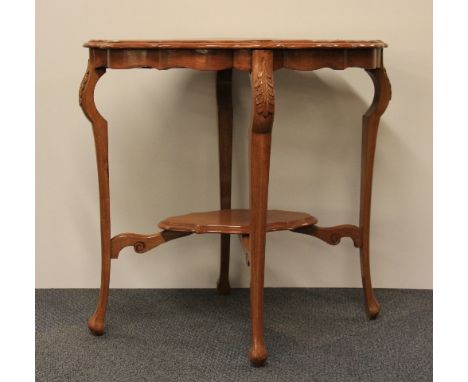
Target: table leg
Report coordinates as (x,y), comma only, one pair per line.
(99,124)
(260,145)
(370,124)
(224,102)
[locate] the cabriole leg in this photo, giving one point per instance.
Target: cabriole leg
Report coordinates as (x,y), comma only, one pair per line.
(260,144)
(97,321)
(370,124)
(224,101)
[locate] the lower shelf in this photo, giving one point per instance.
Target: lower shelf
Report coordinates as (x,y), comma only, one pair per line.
(235,221)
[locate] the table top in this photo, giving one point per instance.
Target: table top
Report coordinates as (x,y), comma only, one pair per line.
(235,44)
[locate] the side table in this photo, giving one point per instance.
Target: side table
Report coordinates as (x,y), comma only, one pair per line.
(261,58)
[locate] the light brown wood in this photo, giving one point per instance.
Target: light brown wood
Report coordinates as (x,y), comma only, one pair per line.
(333,235)
(261,58)
(370,125)
(225,121)
(260,146)
(99,125)
(234,44)
(337,59)
(142,243)
(241,59)
(236,221)
(245,242)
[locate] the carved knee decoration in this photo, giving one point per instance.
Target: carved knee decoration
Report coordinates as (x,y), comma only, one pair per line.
(260,146)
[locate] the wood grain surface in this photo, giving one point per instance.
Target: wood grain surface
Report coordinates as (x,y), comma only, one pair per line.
(233,44)
(260,58)
(235,221)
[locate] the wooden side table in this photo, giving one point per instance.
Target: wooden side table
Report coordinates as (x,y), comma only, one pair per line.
(261,59)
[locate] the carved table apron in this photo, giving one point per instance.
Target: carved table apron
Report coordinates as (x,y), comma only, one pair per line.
(261,59)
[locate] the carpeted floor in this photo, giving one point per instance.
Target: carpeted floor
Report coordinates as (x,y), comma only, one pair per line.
(197,335)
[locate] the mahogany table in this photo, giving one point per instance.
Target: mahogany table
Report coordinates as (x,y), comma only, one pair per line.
(259,58)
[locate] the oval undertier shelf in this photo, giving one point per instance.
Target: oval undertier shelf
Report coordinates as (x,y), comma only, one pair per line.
(235,221)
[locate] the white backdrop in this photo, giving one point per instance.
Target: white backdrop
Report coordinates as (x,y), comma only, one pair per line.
(163,144)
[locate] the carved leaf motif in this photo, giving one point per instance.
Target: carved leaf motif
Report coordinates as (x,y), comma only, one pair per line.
(264,91)
(83,85)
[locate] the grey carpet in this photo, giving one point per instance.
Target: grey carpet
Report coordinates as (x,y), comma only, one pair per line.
(197,335)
